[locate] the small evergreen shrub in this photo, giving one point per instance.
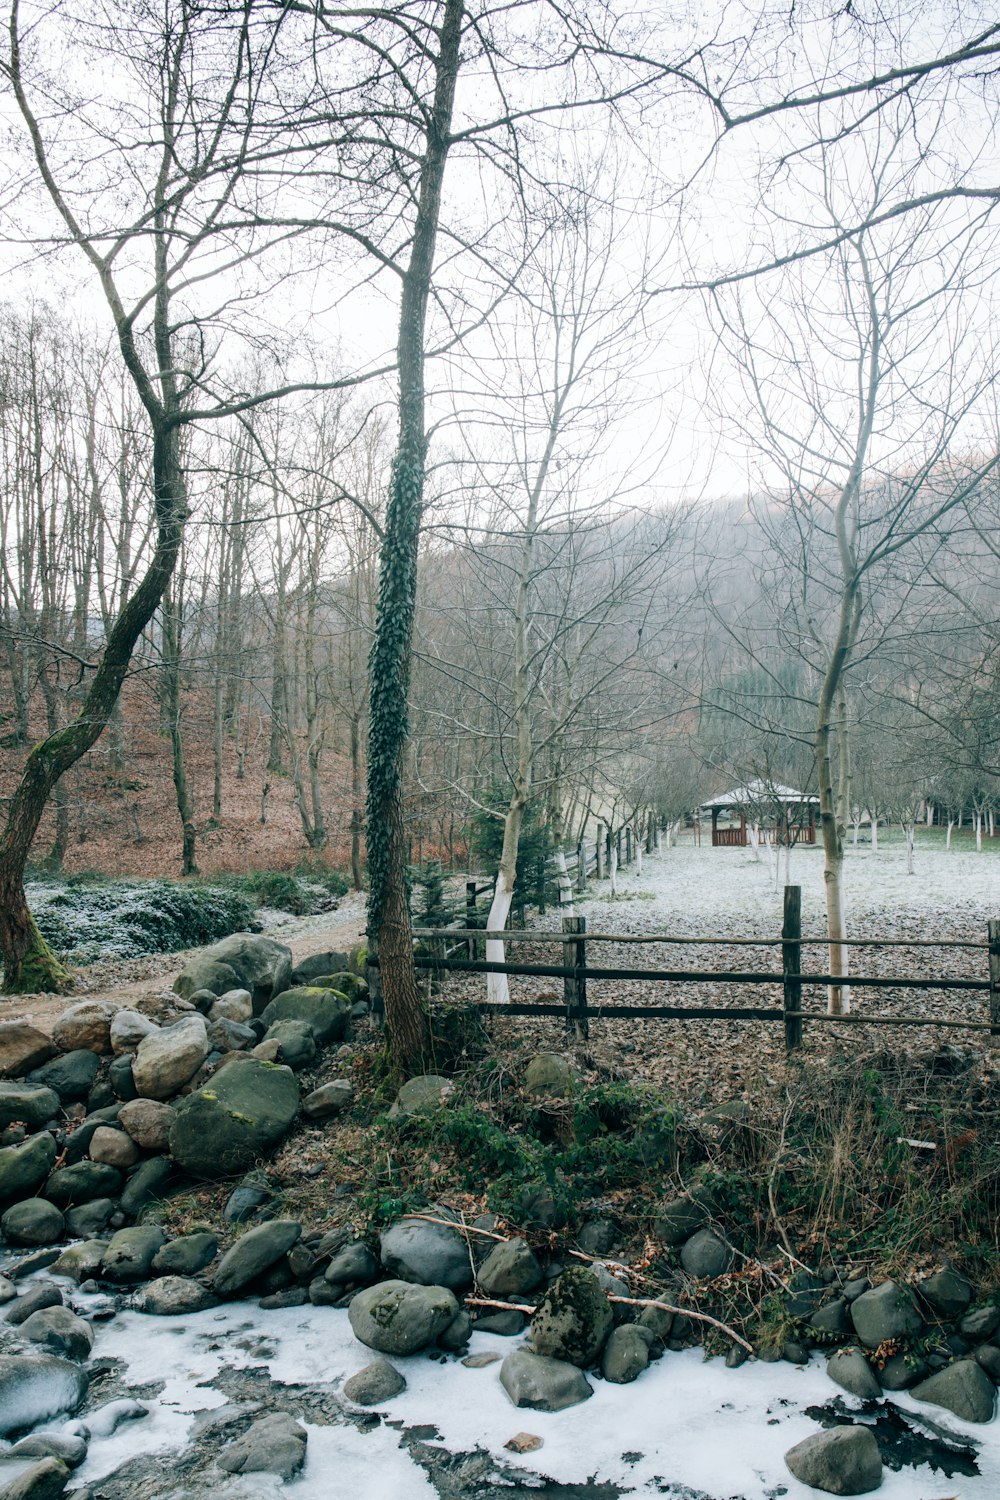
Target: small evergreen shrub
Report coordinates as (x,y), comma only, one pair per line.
(125,919)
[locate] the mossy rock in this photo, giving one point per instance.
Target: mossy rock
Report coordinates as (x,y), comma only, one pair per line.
(573,1319)
(344,982)
(326,1012)
(243,1113)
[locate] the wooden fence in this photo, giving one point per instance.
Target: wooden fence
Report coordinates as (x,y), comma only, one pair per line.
(575,971)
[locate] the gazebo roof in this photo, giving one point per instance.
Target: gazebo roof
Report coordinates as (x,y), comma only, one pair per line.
(758,791)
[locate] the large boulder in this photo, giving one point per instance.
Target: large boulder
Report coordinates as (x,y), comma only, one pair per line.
(326,1012)
(243,961)
(131,1252)
(22,1047)
(60,1331)
(549,1074)
(205,975)
(573,1319)
(174,1296)
(23,1167)
(224,1127)
(849,1369)
(295,1043)
(842,1461)
(145,1185)
(253,1254)
(318,965)
(626,1354)
(83,1182)
(30,1103)
(946,1292)
(86,1026)
(396,1317)
(886,1312)
(33,1221)
(428,1254)
(34,1388)
(543,1384)
(170,1057)
(113,1147)
(377,1382)
(963,1388)
(706,1255)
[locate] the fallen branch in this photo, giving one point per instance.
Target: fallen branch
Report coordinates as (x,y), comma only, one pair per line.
(684,1312)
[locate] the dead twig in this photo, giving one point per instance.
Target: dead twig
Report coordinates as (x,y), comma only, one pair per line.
(684,1312)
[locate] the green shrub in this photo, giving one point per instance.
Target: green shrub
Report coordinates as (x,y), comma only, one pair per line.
(126,919)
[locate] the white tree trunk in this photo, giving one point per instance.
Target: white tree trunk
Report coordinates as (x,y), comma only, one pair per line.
(874,834)
(788,858)
(753,829)
(497,988)
(839,1003)
(564,883)
(613,871)
(638,852)
(947,839)
(909,830)
(993,826)
(979,832)
(857,829)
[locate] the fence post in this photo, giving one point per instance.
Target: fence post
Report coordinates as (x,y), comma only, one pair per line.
(628,845)
(374,977)
(540,887)
(575,984)
(581,866)
(994,934)
(618,847)
(791,963)
(470,916)
(599,871)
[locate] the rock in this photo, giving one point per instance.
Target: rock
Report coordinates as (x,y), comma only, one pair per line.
(113,1147)
(31,1103)
(428,1254)
(659,1322)
(81,1262)
(228,1124)
(886,1312)
(204,979)
(82,1182)
(253,1253)
(834,1318)
(456,1336)
(167,1058)
(982,1323)
(22,1048)
(46,1480)
(145,1185)
(71,1075)
(523,1442)
(902,1371)
(510,1270)
(480,1361)
(682,1217)
(842,1461)
(946,1293)
(849,1369)
(35,1387)
(41,1295)
(61,1332)
(422,1095)
(706,1255)
(352,985)
(186,1256)
(62,1445)
(148,1122)
(543,1384)
(296,1044)
(505,1325)
(130,1252)
(33,1221)
(244,1201)
(573,1319)
(120,1078)
(328,1100)
(172,1296)
(597,1237)
(22,1168)
(128,1029)
(548,1075)
(626,1354)
(987,1357)
(8,1291)
(234,1005)
(963,1388)
(275,1444)
(85,1027)
(231,1036)
(106,1420)
(352,1265)
(397,1317)
(377,1382)
(243,961)
(325,1012)
(318,965)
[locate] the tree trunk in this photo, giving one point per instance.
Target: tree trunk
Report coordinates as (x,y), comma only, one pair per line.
(497,988)
(947,838)
(874,822)
(356,810)
(909,832)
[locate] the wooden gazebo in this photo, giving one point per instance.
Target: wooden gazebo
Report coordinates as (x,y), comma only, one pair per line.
(789,814)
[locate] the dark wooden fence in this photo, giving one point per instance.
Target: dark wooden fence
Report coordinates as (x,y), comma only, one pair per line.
(443,945)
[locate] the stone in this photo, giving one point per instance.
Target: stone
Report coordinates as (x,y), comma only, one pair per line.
(505,1325)
(397,1317)
(659,1321)
(428,1254)
(230,1036)
(480,1361)
(548,1075)
(626,1354)
(85,1027)
(543,1384)
(987,1357)
(37,1387)
(128,1029)
(325,1012)
(523,1442)
(46,1480)
(88,1221)
(204,979)
(852,1290)
(82,1182)
(706,1255)
(573,1318)
(23,1168)
(352,1265)
(328,1100)
(244,1201)
(834,1318)
(148,1122)
(422,1095)
(981,1323)
(597,1237)
(946,1293)
(145,1185)
(130,1252)
(317,965)
(60,1331)
(172,1296)
(456,1336)
(81,1262)
(71,1075)
(22,1048)
(120,1078)
(510,1270)
(377,1382)
(113,1147)
(903,1371)
(274,1444)
(886,1312)
(243,961)
(42,1294)
(849,1369)
(186,1256)
(70,1449)
(842,1461)
(253,1253)
(296,1044)
(169,1057)
(963,1388)
(31,1103)
(680,1218)
(234,1005)
(33,1221)
(227,1125)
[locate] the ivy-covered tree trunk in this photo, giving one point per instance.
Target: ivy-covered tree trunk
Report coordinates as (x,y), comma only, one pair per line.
(389,924)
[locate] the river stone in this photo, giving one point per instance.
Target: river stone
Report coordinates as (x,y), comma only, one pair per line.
(72,1450)
(318,965)
(275,1444)
(113,1147)
(172,1296)
(128,1029)
(46,1480)
(422,1095)
(325,1012)
(253,1253)
(903,1371)
(626,1354)
(834,1318)
(353,1265)
(22,1048)
(42,1294)
(35,1387)
(397,1317)
(71,1075)
(130,1252)
(244,1201)
(148,1122)
(231,1036)
(987,1357)
(573,1319)
(205,975)
(30,1103)
(82,1182)
(81,1262)
(61,1332)
(120,1078)
(886,1312)
(296,1044)
(224,1127)
(510,1270)
(169,1057)
(597,1237)
(186,1256)
(849,1369)
(946,1292)
(351,985)
(33,1221)
(234,1005)
(23,1167)
(981,1323)
(548,1074)
(377,1382)
(328,1100)
(680,1218)
(85,1026)
(843,1461)
(145,1185)
(428,1254)
(706,1255)
(543,1384)
(963,1388)
(505,1325)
